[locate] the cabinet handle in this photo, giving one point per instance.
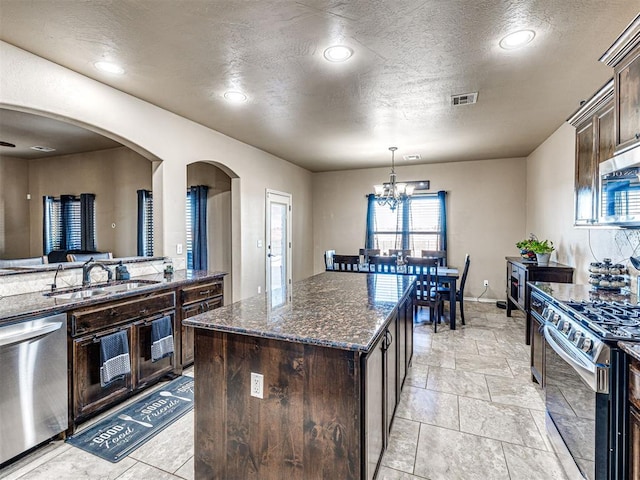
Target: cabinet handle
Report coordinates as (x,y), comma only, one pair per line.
(637,135)
(143,311)
(206,292)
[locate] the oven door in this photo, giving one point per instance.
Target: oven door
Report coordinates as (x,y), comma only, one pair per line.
(579,412)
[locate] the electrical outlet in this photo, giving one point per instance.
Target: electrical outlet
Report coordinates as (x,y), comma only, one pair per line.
(179,249)
(257,385)
(486,283)
(259,289)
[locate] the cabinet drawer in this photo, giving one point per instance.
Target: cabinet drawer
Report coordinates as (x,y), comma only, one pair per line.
(634,383)
(106,315)
(199,292)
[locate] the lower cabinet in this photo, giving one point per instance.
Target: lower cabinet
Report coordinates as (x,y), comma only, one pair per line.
(375,418)
(196,299)
(89,325)
(88,395)
(634,420)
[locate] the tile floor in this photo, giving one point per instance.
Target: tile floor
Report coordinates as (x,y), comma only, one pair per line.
(468,411)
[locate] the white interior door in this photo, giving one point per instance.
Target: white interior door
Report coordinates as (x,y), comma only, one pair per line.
(278,242)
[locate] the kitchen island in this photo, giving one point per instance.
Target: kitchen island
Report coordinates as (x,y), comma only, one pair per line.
(332,364)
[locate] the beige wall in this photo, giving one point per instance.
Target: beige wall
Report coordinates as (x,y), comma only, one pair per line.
(550,183)
(35,85)
(485,200)
(112,175)
(218,215)
(14,209)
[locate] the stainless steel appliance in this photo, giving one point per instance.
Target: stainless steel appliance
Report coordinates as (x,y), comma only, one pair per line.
(585,382)
(33,379)
(620,189)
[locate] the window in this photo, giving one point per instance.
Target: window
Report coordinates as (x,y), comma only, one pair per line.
(416,224)
(196,215)
(145,223)
(69,223)
(187,216)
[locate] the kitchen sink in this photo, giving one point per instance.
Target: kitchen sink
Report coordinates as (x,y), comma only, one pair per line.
(99,290)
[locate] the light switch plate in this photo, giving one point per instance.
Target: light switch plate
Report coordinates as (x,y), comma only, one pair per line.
(179,248)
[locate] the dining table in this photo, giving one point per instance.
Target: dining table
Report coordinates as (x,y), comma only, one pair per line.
(446,276)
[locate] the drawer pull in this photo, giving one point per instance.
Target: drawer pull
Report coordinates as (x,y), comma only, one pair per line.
(143,311)
(206,292)
(113,312)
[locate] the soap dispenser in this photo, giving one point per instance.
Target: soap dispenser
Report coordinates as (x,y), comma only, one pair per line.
(121,272)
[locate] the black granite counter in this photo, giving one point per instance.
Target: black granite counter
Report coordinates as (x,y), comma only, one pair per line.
(15,307)
(565,292)
(335,309)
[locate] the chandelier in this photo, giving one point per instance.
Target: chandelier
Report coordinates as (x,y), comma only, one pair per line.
(391,193)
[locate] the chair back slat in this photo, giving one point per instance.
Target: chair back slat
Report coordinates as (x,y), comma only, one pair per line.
(441,255)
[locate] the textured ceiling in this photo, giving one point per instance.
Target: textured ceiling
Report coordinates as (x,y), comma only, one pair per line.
(409,57)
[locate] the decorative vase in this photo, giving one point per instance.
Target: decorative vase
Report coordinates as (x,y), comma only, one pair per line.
(543,258)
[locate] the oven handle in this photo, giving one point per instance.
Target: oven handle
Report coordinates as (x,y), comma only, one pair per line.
(596,378)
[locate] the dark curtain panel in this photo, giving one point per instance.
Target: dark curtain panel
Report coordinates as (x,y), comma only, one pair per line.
(66,222)
(442,197)
(87,221)
(369,238)
(199,226)
(47,222)
(145,223)
(406,216)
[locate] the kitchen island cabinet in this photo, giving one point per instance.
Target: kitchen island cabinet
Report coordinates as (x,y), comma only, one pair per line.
(332,362)
(633,405)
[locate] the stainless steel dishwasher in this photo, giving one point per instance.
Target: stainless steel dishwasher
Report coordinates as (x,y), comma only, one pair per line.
(33,383)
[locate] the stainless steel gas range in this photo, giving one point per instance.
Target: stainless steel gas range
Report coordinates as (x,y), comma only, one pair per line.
(585,377)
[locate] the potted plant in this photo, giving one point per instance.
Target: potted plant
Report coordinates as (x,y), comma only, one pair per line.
(542,249)
(525,248)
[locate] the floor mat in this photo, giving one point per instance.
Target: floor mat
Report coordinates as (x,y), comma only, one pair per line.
(117,435)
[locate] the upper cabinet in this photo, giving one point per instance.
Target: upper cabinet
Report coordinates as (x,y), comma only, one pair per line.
(624,57)
(594,123)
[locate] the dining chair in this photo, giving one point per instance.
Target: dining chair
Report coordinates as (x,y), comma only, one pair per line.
(328,259)
(401,253)
(444,291)
(383,264)
(427,294)
(441,255)
(366,253)
(346,263)
(85,257)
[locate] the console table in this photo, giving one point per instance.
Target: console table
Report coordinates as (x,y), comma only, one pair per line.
(521,271)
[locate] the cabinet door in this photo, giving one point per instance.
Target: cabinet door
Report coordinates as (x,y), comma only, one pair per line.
(537,351)
(187,333)
(402,346)
(88,395)
(408,309)
(148,371)
(585,174)
(391,372)
(627,79)
(375,422)
(634,443)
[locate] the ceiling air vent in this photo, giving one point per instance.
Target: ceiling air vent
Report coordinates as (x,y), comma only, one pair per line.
(43,149)
(464,99)
(413,157)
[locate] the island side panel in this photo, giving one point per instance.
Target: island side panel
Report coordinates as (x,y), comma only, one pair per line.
(307,425)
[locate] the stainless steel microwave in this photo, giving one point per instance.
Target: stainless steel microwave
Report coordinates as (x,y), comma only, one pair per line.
(620,190)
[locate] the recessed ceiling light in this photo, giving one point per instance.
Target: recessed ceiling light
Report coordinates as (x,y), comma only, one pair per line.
(109,67)
(338,53)
(42,149)
(517,39)
(235,97)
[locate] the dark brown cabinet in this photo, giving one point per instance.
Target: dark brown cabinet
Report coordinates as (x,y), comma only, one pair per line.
(537,351)
(519,272)
(88,325)
(374,414)
(196,299)
(594,123)
(634,420)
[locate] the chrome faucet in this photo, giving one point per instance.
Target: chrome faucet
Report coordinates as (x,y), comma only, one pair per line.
(86,271)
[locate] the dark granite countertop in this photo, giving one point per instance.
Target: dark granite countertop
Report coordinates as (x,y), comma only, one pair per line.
(16,307)
(631,348)
(334,309)
(565,292)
